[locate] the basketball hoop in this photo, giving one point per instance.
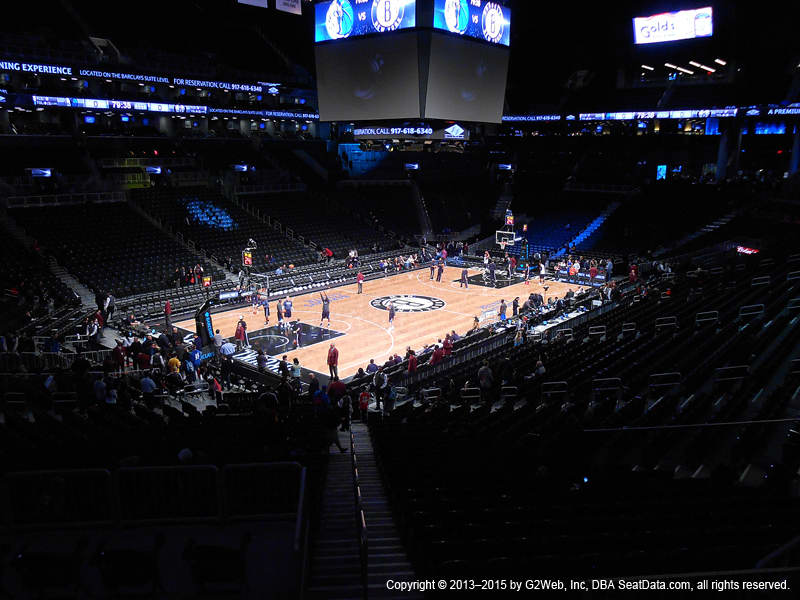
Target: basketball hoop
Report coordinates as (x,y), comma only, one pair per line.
(503,245)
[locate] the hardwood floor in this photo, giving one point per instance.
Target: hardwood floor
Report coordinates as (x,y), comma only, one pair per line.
(438,308)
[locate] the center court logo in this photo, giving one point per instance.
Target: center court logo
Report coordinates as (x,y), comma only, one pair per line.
(408,304)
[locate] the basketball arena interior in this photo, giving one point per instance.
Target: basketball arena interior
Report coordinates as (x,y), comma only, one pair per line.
(399,299)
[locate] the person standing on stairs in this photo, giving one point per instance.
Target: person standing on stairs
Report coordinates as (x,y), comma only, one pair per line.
(330,420)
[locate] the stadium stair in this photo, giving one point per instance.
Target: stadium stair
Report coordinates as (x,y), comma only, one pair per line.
(425,223)
(85,294)
(312,163)
(710,228)
(335,564)
(502,205)
(160,226)
(592,229)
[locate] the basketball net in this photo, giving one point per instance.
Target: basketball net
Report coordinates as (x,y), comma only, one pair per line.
(503,246)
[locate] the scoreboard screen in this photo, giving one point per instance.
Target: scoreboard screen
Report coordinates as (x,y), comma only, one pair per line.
(480,19)
(339,19)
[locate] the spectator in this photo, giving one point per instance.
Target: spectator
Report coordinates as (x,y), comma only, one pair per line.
(485,380)
(218,340)
(261,360)
(380,382)
(333,361)
(412,362)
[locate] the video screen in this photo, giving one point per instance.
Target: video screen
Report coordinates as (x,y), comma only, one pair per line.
(673,26)
(340,19)
(479,19)
(369,79)
(466,81)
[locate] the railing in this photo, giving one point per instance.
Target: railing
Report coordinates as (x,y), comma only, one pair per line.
(269,188)
(120,163)
(146,495)
(751,310)
(666,322)
(360,520)
(664,380)
(710,316)
(10,362)
(189,178)
(598,188)
(607,384)
(759,281)
(736,373)
(63,199)
(554,388)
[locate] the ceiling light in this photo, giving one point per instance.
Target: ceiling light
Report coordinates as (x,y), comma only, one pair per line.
(687,71)
(670,65)
(719,61)
(701,66)
(649,68)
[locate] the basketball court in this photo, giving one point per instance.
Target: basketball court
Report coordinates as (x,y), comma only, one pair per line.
(426,312)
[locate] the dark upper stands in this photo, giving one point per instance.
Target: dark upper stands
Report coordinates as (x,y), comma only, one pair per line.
(218,226)
(28,287)
(318,219)
(108,246)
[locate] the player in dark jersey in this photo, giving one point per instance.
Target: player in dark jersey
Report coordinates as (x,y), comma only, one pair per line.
(266,311)
(279,312)
(287,307)
(391,315)
(297,332)
(326,309)
(464,279)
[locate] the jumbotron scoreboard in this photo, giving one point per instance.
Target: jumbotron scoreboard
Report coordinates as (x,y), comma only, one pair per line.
(412,59)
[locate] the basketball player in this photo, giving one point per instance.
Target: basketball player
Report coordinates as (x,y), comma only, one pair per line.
(440,270)
(492,274)
(360,280)
(326,309)
(486,259)
(297,330)
(287,308)
(265,302)
(541,273)
(433,267)
(464,279)
(391,316)
(527,274)
(279,312)
(254,303)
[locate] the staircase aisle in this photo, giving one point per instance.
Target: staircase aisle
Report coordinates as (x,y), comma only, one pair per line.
(336,565)
(86,295)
